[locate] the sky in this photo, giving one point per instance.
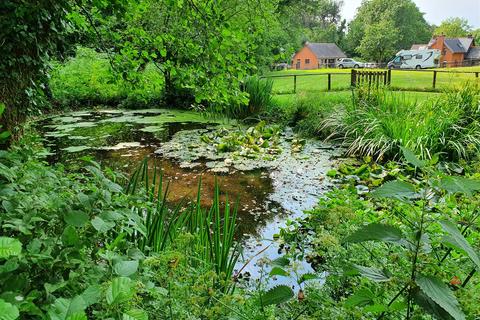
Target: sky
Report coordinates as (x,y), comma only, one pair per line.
(435,10)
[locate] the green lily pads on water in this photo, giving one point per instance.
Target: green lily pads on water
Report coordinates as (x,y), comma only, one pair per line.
(76,149)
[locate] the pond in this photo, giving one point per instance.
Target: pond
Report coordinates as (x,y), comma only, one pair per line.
(273,181)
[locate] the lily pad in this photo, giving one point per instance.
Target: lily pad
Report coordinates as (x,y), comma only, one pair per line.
(76,149)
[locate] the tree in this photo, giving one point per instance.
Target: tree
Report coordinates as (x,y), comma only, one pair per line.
(404,18)
(379,41)
(454,27)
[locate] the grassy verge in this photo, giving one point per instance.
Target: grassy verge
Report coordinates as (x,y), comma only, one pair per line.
(316,80)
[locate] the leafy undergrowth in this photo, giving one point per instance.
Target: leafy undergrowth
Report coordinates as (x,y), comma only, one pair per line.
(397,241)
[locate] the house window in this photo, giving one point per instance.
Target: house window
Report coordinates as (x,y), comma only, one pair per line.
(307,61)
(298,60)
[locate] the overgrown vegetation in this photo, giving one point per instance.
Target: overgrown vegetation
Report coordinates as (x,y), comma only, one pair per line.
(377,123)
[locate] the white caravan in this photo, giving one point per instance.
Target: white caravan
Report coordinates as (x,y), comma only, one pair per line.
(415,59)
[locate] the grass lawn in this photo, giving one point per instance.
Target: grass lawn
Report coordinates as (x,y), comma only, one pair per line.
(316,80)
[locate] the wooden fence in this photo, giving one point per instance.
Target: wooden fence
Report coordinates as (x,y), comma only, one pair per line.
(328,75)
(370,77)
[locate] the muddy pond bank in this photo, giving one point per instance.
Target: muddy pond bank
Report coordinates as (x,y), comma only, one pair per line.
(274,174)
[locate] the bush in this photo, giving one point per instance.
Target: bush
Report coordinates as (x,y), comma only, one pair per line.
(378,122)
(259,92)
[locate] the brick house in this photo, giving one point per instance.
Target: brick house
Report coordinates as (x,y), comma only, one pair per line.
(454,51)
(316,55)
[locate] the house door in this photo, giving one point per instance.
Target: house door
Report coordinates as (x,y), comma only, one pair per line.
(298,65)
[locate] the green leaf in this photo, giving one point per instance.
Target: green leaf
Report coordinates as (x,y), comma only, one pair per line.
(126,268)
(277,295)
(76,218)
(135,314)
(455,184)
(8,311)
(458,241)
(102,225)
(439,292)
(307,276)
(430,306)
(92,294)
(277,271)
(9,247)
(74,149)
(63,309)
(373,274)
(281,261)
(360,298)
(377,232)
(412,158)
(397,189)
(120,290)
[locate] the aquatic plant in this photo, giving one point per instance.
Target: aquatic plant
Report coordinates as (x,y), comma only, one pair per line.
(213,229)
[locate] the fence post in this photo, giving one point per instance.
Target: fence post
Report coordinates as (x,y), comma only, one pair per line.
(295,83)
(353,78)
(476,74)
(434,78)
(329,81)
(389,77)
(385,78)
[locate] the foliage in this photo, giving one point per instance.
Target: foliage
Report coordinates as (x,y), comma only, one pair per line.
(71,247)
(378,123)
(403,18)
(259,97)
(453,27)
(88,79)
(430,234)
(379,41)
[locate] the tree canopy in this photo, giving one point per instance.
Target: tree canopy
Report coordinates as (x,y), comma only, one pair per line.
(401,21)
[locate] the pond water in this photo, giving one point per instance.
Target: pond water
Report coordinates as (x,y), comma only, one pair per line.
(271,187)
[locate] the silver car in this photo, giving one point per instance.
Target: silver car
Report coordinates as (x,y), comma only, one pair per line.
(349,63)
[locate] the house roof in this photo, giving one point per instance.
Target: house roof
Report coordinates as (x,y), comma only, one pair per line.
(326,50)
(458,45)
(473,53)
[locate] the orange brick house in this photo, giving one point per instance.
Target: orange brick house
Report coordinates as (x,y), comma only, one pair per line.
(316,55)
(454,50)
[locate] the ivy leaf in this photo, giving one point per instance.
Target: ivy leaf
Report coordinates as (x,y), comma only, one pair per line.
(362,297)
(377,232)
(135,314)
(397,189)
(454,184)
(277,295)
(441,295)
(458,241)
(373,274)
(76,218)
(9,247)
(8,311)
(126,268)
(412,158)
(120,290)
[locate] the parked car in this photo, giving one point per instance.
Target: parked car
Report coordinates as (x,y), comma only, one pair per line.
(349,63)
(415,59)
(371,65)
(280,66)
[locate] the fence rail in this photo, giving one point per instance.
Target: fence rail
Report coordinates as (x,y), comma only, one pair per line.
(377,77)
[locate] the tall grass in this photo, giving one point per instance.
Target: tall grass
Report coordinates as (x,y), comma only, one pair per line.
(213,229)
(259,92)
(377,123)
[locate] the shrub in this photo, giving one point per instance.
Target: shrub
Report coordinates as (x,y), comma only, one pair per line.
(377,123)
(259,92)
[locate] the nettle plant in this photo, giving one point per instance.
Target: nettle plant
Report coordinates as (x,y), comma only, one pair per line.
(427,247)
